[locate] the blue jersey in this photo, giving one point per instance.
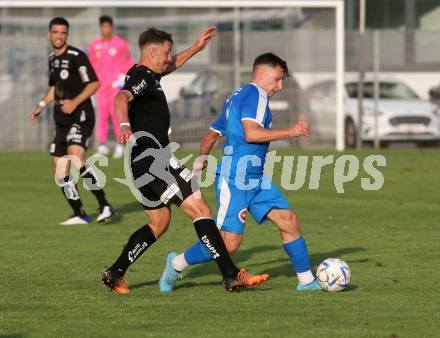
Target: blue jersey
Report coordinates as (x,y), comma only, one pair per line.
(241,158)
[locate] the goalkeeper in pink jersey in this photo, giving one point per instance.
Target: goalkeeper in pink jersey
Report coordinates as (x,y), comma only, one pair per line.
(111,58)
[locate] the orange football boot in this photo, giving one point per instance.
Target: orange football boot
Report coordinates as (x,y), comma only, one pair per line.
(245,278)
(115,283)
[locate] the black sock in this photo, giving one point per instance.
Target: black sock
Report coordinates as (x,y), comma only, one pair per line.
(71,194)
(91,179)
(210,237)
(137,244)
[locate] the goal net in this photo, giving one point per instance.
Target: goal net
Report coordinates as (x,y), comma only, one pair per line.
(307,34)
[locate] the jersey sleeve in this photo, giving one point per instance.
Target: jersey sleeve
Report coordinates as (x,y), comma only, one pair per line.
(253,106)
(139,83)
(85,69)
(219,125)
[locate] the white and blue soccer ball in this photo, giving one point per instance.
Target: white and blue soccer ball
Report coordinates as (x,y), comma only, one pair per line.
(333,274)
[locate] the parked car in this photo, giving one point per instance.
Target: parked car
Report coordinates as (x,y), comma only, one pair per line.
(202,100)
(402,115)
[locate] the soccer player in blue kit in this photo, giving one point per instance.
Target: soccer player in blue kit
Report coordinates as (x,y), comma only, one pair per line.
(241,185)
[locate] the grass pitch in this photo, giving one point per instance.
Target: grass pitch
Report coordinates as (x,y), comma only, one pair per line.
(50,280)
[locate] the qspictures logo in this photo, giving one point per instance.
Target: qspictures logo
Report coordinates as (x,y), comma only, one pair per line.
(292,172)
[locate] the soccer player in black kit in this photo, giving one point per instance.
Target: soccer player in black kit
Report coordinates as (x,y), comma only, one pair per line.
(142,110)
(72,82)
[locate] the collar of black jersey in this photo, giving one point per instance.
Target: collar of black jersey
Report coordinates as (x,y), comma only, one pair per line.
(57,56)
(156,75)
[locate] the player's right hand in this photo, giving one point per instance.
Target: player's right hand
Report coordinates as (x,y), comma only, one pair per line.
(124,134)
(37,111)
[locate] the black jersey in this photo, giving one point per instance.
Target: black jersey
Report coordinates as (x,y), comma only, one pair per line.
(70,72)
(149,110)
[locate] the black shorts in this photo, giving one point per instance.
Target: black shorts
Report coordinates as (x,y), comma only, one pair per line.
(75,134)
(172,185)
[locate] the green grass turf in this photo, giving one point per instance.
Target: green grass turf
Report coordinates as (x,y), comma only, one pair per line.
(50,280)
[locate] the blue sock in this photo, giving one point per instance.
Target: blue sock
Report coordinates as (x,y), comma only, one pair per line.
(197,254)
(297,251)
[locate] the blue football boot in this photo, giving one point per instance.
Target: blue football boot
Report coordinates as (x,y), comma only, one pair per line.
(169,276)
(312,286)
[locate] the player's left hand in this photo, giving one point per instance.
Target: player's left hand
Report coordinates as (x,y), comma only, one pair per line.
(199,165)
(204,37)
(68,106)
(300,128)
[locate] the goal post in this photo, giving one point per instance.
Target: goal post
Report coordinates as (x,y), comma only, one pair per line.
(245,33)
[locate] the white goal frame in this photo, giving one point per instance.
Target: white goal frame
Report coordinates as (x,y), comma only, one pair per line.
(337,5)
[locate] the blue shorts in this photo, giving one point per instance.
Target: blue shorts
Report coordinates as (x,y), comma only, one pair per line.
(233,203)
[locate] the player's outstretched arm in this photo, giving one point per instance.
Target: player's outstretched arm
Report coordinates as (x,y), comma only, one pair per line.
(254,133)
(69,106)
(45,100)
(121,109)
(202,41)
(206,145)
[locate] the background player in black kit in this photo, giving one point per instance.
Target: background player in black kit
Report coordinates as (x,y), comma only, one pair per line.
(142,108)
(72,82)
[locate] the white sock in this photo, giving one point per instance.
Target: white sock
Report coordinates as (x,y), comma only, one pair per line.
(179,262)
(304,277)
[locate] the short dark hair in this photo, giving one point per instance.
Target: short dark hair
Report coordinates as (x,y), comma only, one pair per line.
(271,59)
(153,35)
(105,18)
(58,21)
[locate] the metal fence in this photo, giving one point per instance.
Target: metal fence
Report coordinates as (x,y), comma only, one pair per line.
(196,92)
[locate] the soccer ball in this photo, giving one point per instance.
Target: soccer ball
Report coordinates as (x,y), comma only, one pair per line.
(333,274)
